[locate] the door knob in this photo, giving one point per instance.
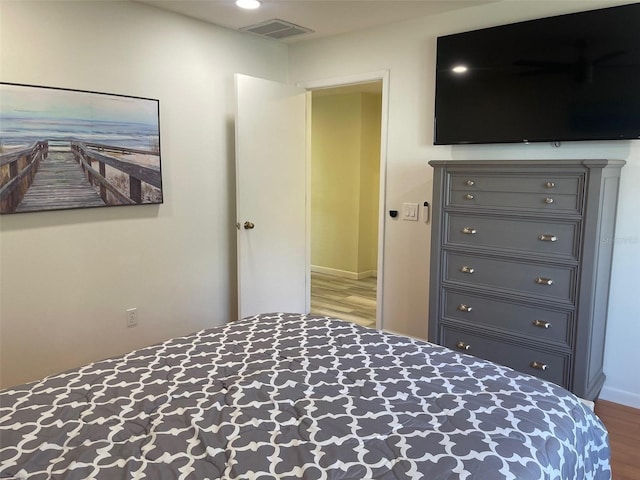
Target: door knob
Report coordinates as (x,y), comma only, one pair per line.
(248,225)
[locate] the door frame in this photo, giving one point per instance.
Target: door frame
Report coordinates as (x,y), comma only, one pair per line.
(380,75)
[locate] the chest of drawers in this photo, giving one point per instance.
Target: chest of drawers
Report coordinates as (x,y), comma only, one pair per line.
(520,264)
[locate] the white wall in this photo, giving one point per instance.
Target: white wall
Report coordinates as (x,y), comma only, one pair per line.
(407,50)
(67,277)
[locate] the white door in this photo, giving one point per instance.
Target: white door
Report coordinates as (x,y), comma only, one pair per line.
(271,181)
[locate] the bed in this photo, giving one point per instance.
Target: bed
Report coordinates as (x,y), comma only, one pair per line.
(281,396)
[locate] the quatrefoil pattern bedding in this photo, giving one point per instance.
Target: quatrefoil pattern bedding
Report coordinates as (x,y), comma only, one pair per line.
(282,396)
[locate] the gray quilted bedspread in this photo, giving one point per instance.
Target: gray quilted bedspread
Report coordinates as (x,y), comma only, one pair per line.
(287,396)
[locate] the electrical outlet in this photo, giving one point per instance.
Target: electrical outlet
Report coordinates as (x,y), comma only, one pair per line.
(132,317)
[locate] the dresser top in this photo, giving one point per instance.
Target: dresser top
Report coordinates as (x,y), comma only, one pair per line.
(515,164)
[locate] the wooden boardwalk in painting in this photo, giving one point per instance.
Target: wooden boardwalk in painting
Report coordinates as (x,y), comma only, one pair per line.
(62,174)
(58,184)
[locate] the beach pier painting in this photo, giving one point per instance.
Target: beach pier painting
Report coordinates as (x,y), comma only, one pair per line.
(63,149)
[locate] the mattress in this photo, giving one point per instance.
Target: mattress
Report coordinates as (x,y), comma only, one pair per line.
(279,396)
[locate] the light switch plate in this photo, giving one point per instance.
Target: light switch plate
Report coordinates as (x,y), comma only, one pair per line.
(410,211)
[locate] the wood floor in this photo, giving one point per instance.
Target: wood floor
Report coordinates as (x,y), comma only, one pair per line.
(352,300)
(623,424)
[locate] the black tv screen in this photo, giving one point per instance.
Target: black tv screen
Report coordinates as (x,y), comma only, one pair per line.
(564,78)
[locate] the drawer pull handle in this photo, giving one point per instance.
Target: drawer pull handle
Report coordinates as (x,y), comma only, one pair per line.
(468,196)
(463,346)
(545,237)
(548,200)
(469,231)
(470,183)
(539,366)
(467,269)
(550,185)
(544,281)
(541,324)
(464,308)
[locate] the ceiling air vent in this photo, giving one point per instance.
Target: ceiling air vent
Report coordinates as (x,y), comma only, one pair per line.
(276,28)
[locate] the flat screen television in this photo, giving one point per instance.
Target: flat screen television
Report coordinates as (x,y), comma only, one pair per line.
(564,78)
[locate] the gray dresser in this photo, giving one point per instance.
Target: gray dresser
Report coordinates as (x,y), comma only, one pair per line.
(520,264)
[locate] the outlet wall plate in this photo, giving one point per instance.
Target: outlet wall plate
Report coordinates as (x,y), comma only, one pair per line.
(131,317)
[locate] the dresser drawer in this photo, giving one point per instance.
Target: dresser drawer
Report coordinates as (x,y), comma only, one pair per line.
(550,184)
(534,202)
(540,280)
(540,237)
(553,367)
(530,321)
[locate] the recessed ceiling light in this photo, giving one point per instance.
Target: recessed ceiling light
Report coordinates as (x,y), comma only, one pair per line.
(459,69)
(248,4)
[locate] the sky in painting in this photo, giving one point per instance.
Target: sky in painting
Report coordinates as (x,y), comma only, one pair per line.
(45,103)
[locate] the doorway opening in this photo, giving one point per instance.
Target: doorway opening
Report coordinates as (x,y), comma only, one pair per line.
(345,194)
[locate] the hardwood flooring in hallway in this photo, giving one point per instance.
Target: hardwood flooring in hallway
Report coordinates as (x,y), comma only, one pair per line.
(352,300)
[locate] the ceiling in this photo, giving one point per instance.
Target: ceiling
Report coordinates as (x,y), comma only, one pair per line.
(324,17)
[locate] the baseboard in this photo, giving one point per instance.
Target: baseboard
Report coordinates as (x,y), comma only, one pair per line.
(367,274)
(343,273)
(620,396)
(590,405)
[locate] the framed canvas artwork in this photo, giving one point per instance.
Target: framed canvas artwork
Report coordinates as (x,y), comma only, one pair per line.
(63,149)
